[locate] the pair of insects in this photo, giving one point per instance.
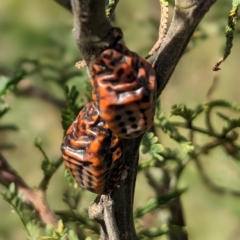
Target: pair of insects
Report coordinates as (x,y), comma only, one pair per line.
(122,107)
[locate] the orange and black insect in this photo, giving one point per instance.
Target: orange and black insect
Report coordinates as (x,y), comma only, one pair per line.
(123,106)
(92,152)
(124,87)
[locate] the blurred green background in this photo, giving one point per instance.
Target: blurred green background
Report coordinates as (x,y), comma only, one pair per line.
(33,30)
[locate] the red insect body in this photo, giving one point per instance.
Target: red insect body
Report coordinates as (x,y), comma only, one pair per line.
(92,152)
(123,106)
(124,87)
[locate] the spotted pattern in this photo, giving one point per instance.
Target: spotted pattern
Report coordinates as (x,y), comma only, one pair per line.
(124,88)
(123,106)
(92,152)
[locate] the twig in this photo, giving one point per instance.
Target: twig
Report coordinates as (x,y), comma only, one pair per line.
(101,210)
(209,183)
(71,200)
(25,88)
(204,149)
(65,3)
(162,29)
(212,87)
(176,209)
(75,216)
(217,64)
(32,197)
(91,27)
(47,176)
(187,15)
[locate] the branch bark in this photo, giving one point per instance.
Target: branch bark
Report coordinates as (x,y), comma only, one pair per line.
(92,32)
(65,3)
(26,89)
(36,199)
(186,17)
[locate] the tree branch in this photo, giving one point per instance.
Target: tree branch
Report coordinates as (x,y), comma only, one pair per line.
(187,15)
(176,209)
(102,211)
(25,88)
(92,32)
(210,184)
(34,198)
(65,3)
(91,27)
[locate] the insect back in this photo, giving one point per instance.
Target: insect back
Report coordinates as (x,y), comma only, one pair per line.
(92,152)
(124,87)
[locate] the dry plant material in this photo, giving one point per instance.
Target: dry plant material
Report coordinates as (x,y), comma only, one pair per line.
(81,64)
(162,28)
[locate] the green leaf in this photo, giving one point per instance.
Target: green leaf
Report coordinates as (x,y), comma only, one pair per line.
(60,227)
(33,231)
(158,148)
(151,146)
(9,83)
(4,109)
(155,203)
(73,107)
(70,178)
(187,147)
(187,113)
(111,7)
(3,83)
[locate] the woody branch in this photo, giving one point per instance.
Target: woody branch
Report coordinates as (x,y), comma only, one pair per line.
(90,30)
(34,198)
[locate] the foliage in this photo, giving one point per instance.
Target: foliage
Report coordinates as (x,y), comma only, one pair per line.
(167,162)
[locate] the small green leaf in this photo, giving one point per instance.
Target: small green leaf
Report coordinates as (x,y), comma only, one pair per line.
(187,147)
(154,140)
(158,157)
(158,148)
(70,178)
(4,109)
(144,150)
(60,227)
(3,83)
(38,142)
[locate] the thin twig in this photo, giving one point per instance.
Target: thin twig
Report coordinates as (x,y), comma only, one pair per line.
(162,29)
(186,17)
(47,176)
(210,184)
(32,197)
(26,89)
(75,216)
(65,3)
(201,150)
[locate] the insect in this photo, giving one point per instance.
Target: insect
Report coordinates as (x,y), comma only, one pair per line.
(92,152)
(124,88)
(123,106)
